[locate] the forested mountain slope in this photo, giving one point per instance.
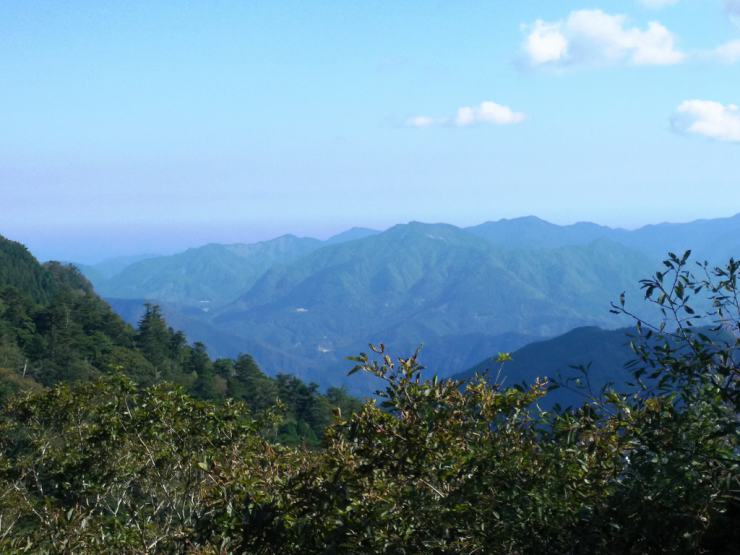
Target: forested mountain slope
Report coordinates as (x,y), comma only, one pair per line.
(421,283)
(206,277)
(72,335)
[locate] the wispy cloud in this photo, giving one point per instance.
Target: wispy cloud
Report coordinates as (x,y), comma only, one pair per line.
(593,38)
(708,118)
(732,10)
(425,121)
(485,112)
(732,7)
(728,52)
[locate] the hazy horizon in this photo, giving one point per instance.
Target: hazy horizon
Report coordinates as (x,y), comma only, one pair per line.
(132,127)
(108,248)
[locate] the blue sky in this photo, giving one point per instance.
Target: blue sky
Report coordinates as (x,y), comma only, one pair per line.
(135,126)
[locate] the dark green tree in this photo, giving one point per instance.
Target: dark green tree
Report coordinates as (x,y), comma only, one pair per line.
(199,365)
(249,384)
(152,337)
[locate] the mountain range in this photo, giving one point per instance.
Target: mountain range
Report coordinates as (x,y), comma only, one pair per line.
(301,305)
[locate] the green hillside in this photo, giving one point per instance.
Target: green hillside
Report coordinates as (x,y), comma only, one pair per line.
(205,277)
(55,329)
(224,344)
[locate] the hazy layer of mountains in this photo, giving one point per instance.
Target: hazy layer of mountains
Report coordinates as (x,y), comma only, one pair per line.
(301,305)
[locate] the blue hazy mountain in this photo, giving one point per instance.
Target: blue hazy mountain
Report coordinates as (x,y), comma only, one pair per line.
(102,271)
(464,293)
(112,266)
(715,240)
(351,235)
(457,293)
(207,276)
(604,353)
(204,277)
(531,232)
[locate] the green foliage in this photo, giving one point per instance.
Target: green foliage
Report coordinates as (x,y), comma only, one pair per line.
(77,338)
(104,467)
(437,467)
(68,277)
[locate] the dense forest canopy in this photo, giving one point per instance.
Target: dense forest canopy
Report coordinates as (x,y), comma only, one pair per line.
(132,441)
(20,269)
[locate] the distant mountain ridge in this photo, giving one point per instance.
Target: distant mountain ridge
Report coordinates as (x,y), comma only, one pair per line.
(464,293)
(715,240)
(423,282)
(212,274)
(207,276)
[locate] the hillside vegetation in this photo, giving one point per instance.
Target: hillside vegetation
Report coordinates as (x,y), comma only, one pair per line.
(439,466)
(55,329)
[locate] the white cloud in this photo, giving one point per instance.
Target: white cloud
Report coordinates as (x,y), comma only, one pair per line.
(546,43)
(592,37)
(485,112)
(656,4)
(728,52)
(708,118)
(488,112)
